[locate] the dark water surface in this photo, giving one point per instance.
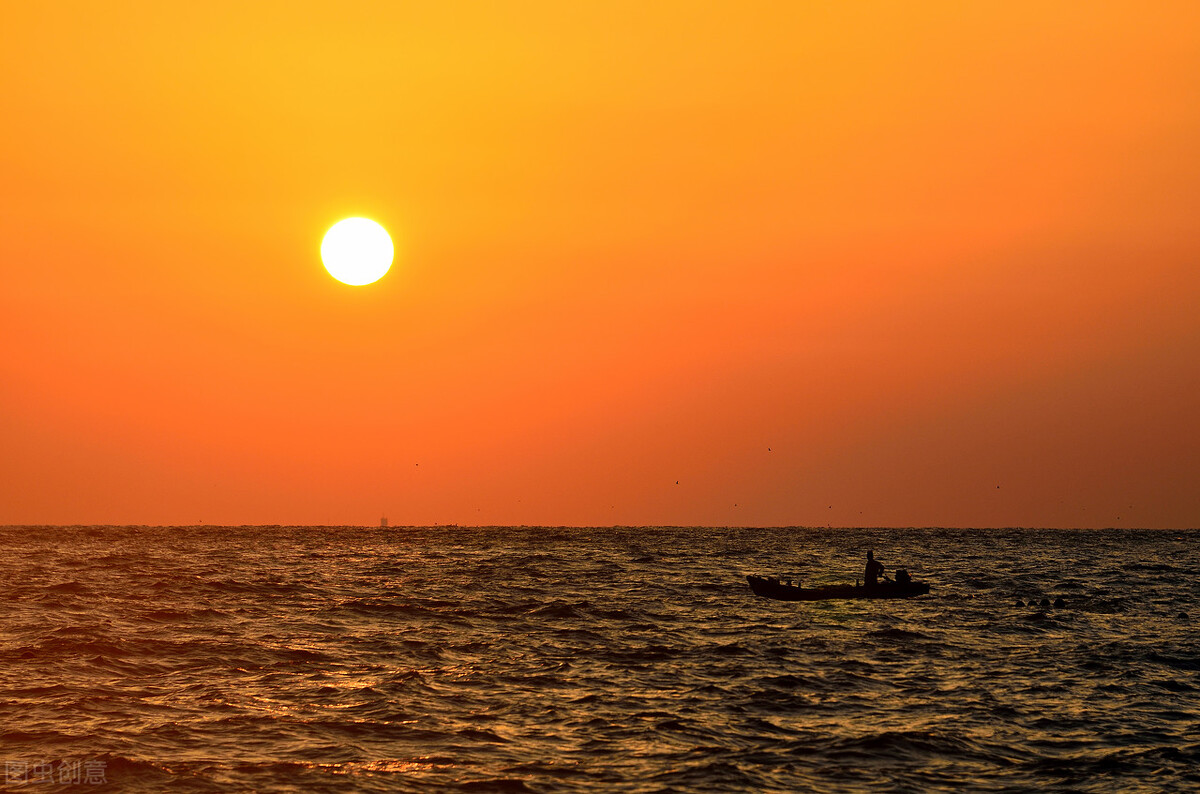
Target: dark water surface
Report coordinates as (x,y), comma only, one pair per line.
(323,659)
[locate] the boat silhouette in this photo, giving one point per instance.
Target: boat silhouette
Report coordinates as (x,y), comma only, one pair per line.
(771,587)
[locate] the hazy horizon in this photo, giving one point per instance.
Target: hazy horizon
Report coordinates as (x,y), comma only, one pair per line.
(445,525)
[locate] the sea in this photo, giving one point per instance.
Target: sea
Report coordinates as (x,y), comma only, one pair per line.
(544,659)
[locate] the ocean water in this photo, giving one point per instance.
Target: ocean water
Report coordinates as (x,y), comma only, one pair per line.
(563,660)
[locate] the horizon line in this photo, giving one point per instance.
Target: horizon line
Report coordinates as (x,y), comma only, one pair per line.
(596,526)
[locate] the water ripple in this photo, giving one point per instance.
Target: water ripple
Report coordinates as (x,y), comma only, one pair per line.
(501,659)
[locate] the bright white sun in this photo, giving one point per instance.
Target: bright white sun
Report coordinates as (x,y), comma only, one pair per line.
(357,251)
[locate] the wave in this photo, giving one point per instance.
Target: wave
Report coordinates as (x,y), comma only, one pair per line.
(499,784)
(366,606)
(557,609)
(902,745)
(73,587)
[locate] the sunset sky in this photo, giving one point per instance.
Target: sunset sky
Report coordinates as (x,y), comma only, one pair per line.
(722,263)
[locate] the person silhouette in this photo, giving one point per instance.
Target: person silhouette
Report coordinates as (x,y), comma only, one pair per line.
(873,572)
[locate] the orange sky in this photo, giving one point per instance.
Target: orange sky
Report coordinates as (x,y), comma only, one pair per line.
(850,264)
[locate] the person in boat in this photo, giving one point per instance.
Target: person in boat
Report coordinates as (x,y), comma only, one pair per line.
(873,572)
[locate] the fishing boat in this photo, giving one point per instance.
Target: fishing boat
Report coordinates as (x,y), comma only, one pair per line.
(771,587)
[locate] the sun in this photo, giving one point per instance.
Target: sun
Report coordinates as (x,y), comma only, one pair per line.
(357,251)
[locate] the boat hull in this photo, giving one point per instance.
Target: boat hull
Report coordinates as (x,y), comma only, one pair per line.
(773,588)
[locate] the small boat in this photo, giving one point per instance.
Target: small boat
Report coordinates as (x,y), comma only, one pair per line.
(771,587)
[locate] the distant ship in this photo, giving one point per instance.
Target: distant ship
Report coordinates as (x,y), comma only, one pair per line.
(383,521)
